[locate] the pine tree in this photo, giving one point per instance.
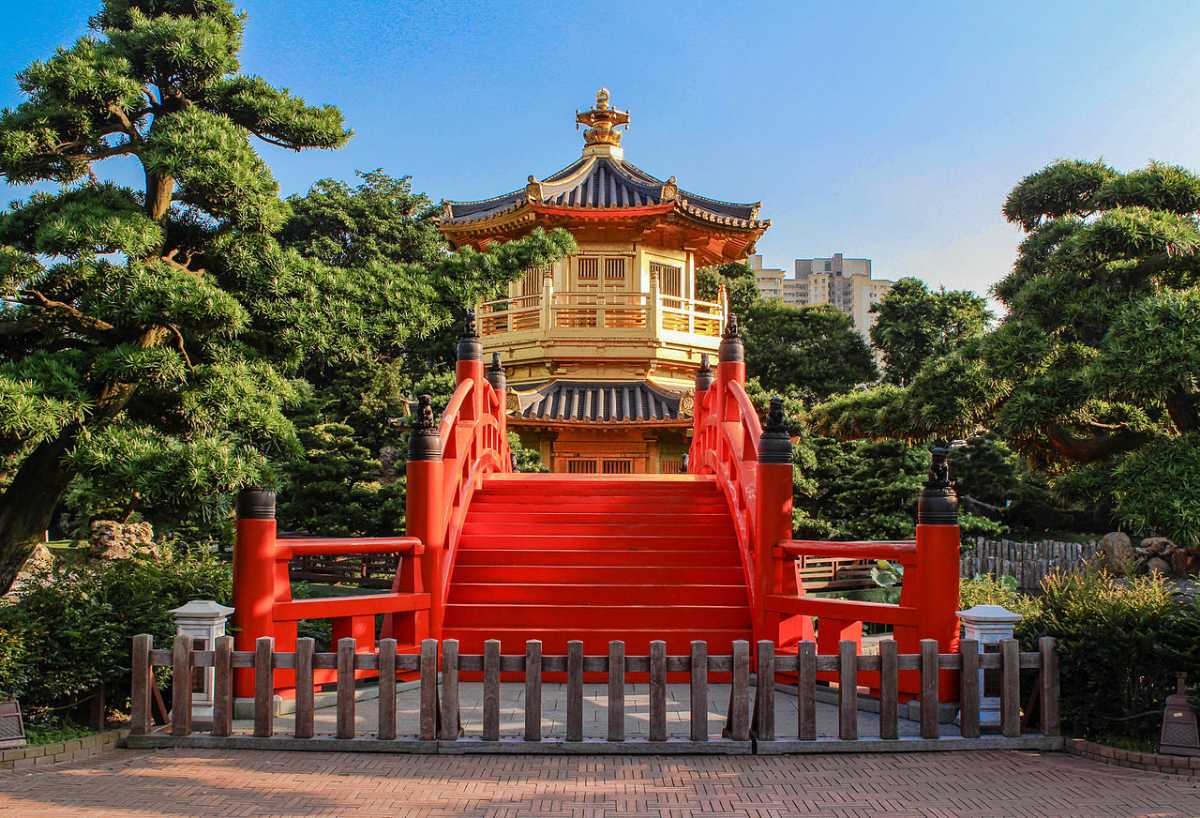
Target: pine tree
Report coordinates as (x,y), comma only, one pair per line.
(153,335)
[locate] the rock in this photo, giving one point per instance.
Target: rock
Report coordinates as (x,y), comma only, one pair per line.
(111,540)
(1118,550)
(38,561)
(1157,565)
(1179,562)
(1157,545)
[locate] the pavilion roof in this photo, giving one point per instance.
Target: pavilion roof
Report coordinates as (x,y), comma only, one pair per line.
(601,197)
(604,183)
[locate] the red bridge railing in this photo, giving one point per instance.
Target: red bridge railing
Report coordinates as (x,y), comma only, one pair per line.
(446,465)
(752,466)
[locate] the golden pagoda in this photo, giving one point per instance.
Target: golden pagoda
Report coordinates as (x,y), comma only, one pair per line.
(601,349)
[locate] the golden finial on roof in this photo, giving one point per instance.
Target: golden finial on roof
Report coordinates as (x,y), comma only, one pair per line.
(602,122)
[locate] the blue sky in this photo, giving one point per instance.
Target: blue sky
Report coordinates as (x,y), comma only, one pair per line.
(881,129)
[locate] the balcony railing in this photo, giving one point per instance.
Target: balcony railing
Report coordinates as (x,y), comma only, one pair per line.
(598,312)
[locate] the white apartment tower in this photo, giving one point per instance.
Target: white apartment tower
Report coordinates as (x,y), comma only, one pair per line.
(844,283)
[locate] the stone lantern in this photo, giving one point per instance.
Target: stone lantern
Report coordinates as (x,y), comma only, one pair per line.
(204,621)
(988,625)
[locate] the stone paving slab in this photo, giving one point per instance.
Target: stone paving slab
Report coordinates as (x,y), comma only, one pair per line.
(595,713)
(254,784)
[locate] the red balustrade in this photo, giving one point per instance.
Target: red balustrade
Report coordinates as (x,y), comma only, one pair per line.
(753,469)
(446,465)
(262,591)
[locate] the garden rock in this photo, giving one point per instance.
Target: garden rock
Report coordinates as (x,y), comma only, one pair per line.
(1157,546)
(1157,565)
(38,561)
(111,540)
(1118,549)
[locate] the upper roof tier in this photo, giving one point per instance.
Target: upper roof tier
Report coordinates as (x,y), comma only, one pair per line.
(602,192)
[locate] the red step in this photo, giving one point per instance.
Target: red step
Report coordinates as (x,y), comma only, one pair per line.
(663,615)
(631,558)
(602,594)
(652,505)
(561,557)
(607,541)
(501,574)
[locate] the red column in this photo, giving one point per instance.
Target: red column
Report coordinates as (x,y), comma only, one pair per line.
(425,510)
(253,577)
(704,382)
(469,366)
(496,377)
(938,541)
(773,519)
(731,359)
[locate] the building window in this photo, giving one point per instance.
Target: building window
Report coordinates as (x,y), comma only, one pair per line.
(828,266)
(670,278)
(618,467)
(587,268)
(614,269)
(581,467)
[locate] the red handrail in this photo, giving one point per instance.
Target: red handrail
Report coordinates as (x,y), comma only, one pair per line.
(472,444)
(725,446)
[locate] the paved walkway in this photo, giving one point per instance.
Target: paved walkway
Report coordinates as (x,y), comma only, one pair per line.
(595,713)
(221,784)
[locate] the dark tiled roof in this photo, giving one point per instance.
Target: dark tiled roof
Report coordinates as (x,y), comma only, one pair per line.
(598,402)
(600,182)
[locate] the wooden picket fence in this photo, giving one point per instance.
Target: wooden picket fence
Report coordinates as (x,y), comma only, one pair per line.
(1028,562)
(750,716)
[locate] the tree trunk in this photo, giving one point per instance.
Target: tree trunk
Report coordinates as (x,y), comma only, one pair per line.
(1184,410)
(28,504)
(159,190)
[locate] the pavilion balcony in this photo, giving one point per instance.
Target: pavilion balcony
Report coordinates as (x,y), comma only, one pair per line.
(601,314)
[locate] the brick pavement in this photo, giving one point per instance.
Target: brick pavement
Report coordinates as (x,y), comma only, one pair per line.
(931,785)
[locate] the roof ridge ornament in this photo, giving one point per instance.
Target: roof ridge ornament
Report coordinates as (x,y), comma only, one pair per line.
(602,122)
(533,191)
(670,191)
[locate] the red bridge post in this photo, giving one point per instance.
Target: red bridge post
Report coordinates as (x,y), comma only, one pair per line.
(938,541)
(773,517)
(469,366)
(731,361)
(425,514)
(253,577)
(704,383)
(495,376)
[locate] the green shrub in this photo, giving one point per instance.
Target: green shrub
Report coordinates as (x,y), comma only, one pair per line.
(982,589)
(1120,645)
(68,630)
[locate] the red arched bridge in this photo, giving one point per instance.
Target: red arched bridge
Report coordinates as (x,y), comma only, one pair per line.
(708,555)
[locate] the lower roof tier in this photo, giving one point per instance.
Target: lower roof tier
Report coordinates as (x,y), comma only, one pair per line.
(597,403)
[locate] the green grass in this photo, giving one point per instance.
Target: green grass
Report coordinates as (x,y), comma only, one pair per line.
(52,734)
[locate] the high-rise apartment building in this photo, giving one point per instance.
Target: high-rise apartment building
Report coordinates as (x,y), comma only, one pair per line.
(844,283)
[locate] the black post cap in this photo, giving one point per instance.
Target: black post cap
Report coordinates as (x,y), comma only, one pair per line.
(938,503)
(495,374)
(775,445)
(469,347)
(423,441)
(732,348)
(704,375)
(256,504)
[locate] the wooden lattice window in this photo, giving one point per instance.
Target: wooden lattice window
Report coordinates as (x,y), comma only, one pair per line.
(614,269)
(670,278)
(618,467)
(587,268)
(581,467)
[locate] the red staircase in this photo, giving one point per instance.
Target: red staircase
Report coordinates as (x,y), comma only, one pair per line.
(558,557)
